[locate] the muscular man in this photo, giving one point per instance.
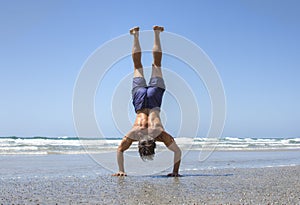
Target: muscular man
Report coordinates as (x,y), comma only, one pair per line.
(147,128)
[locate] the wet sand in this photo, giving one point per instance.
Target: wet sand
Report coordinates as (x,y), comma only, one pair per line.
(276,185)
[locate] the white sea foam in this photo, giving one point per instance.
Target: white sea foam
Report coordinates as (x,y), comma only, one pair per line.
(73,145)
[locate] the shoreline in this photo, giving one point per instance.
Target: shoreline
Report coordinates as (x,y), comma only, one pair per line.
(82,164)
(223,186)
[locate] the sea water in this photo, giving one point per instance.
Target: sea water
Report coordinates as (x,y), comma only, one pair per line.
(74,145)
(71,156)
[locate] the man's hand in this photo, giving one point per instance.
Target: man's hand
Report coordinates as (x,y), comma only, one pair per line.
(174,174)
(120,174)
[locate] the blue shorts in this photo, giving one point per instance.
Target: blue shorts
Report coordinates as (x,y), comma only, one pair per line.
(150,96)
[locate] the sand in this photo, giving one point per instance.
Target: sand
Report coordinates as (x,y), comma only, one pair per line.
(276,185)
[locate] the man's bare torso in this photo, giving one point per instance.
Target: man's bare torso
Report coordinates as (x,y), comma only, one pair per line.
(148,122)
(148,119)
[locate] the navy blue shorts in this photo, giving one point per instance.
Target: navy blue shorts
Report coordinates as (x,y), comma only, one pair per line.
(150,96)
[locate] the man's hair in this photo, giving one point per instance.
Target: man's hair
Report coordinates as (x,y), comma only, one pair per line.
(147,148)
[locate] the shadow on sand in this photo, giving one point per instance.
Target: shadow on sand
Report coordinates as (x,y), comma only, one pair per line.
(194,175)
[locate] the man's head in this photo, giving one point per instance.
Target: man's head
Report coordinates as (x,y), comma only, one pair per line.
(146,147)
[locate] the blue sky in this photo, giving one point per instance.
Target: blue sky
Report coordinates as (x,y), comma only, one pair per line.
(254,45)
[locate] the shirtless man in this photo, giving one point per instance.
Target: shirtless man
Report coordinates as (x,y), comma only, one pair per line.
(147,128)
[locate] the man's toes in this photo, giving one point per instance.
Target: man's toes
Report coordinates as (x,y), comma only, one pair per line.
(158,28)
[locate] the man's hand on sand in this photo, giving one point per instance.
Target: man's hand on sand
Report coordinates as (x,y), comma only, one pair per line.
(173,174)
(120,174)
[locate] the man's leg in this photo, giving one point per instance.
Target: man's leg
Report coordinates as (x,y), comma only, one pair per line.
(156,85)
(136,53)
(139,86)
(157,53)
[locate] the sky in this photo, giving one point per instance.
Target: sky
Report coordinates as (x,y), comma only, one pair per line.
(254,45)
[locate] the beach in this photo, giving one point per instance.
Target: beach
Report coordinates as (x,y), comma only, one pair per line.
(77,179)
(279,185)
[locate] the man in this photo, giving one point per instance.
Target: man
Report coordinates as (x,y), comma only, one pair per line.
(147,128)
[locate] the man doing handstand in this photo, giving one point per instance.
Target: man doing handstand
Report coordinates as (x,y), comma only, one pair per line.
(147,128)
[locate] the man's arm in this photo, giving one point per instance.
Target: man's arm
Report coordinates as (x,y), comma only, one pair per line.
(125,144)
(169,141)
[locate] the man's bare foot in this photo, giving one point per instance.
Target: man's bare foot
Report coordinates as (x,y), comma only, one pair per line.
(158,28)
(134,30)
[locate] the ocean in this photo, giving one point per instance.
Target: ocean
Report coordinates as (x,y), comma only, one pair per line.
(27,157)
(72,145)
